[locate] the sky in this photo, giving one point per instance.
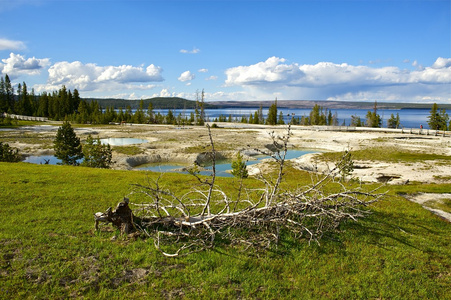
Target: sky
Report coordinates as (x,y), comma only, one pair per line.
(385,51)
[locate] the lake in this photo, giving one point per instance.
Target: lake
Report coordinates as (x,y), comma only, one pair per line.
(410,117)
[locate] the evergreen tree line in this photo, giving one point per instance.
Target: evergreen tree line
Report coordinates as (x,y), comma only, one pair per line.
(437,120)
(274,117)
(56,105)
(66,105)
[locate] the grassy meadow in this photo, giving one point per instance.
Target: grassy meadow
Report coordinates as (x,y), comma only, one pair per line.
(49,249)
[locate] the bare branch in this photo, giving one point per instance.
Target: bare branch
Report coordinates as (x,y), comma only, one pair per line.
(192,222)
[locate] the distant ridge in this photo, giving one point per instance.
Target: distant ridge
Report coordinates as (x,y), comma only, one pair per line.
(181,103)
(308,104)
(157,103)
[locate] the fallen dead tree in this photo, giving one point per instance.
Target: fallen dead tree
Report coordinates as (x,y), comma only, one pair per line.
(196,220)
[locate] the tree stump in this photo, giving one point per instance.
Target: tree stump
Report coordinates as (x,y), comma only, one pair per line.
(121,217)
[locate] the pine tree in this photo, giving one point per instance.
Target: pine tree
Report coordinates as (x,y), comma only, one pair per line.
(272,114)
(444,119)
(373,119)
(315,116)
(330,119)
(67,145)
(76,100)
(9,94)
(27,107)
(438,119)
(261,119)
(393,122)
(19,104)
(139,117)
(3,100)
(280,121)
(170,119)
(256,118)
(150,114)
(202,109)
(239,167)
(356,121)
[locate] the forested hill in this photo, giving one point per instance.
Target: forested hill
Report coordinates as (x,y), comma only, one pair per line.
(157,103)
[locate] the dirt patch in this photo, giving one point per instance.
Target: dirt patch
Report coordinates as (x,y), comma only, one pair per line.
(130,276)
(425,200)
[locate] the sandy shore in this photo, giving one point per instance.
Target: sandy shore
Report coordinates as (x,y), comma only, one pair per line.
(186,145)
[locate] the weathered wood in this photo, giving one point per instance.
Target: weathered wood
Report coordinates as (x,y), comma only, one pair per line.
(121,217)
(188,223)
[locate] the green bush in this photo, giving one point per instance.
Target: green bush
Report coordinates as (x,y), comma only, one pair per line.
(8,154)
(239,167)
(96,154)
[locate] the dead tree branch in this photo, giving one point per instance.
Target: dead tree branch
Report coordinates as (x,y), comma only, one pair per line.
(183,224)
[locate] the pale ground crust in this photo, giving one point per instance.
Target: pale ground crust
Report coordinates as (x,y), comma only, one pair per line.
(424,198)
(185,145)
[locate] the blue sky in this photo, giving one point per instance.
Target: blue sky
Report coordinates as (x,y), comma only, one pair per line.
(394,51)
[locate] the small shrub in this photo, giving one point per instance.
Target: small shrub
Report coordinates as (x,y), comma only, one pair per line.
(8,154)
(239,167)
(97,155)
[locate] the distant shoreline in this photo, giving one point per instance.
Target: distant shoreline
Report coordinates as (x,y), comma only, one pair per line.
(180,103)
(308,104)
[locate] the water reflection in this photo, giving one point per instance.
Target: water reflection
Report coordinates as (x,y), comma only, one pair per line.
(223,168)
(42,159)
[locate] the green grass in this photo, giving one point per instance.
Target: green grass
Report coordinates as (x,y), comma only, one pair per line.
(442,204)
(48,248)
(19,123)
(128,150)
(28,138)
(390,154)
(207,147)
(442,177)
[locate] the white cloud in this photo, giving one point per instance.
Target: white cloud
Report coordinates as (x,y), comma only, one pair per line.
(270,71)
(127,73)
(212,78)
(326,80)
(186,76)
(441,63)
(203,70)
(164,93)
(91,77)
(194,51)
(225,96)
(17,65)
(11,45)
